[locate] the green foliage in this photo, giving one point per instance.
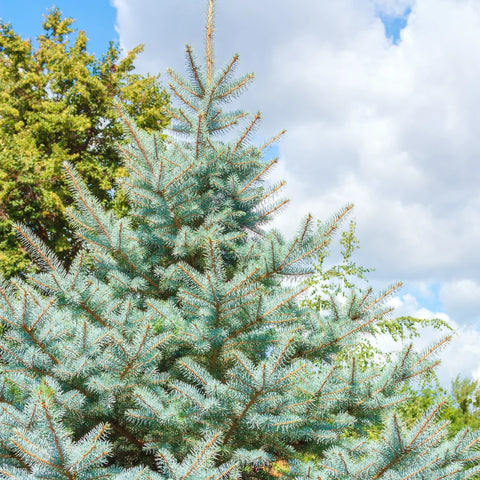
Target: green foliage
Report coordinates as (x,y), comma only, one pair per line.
(344,276)
(56,105)
(341,276)
(461,409)
(172,346)
(337,279)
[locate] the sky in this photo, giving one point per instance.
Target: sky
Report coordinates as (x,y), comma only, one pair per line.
(95,17)
(381,101)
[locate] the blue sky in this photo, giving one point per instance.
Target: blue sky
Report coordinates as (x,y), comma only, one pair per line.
(96,17)
(394,24)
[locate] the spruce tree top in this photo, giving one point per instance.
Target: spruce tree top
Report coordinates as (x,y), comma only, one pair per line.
(173,347)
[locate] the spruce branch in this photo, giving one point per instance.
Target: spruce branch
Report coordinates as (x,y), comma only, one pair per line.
(80,188)
(236,87)
(194,69)
(45,257)
(182,83)
(258,175)
(246,133)
(182,98)
(127,121)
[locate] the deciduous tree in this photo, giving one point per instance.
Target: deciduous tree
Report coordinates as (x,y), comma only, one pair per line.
(56,105)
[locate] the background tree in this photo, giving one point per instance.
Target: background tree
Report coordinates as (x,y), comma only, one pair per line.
(462,404)
(56,105)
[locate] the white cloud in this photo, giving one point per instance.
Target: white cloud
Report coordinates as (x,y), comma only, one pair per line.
(460,356)
(392,128)
(462,296)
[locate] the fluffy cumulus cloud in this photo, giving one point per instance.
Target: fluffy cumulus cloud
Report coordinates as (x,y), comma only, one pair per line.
(462,296)
(460,355)
(390,127)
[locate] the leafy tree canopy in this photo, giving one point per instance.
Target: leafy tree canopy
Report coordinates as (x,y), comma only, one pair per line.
(56,105)
(461,409)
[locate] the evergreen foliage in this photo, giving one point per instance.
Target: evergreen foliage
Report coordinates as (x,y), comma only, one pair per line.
(56,105)
(173,348)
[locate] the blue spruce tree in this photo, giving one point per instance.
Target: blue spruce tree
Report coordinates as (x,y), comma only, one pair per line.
(173,348)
